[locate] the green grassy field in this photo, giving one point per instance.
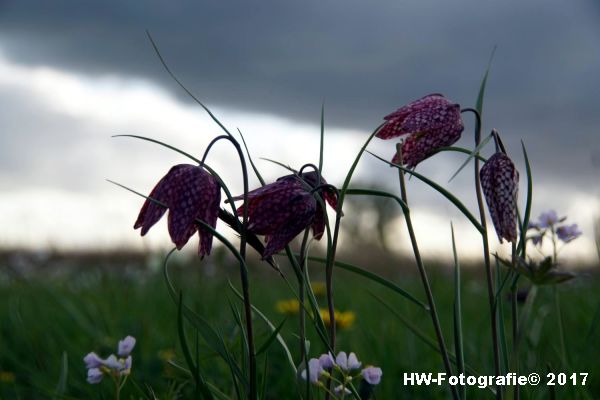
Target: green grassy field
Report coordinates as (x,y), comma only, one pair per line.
(53,316)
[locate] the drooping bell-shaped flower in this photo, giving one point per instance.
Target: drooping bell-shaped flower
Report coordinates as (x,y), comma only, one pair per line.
(190,193)
(500,184)
(431,122)
(284,208)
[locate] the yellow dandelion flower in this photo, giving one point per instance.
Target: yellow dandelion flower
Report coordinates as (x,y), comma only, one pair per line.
(166,355)
(288,307)
(343,320)
(319,288)
(7,377)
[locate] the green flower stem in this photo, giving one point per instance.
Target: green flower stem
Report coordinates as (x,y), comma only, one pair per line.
(332,248)
(515,321)
(302,313)
(486,253)
(424,278)
(557,310)
(253,390)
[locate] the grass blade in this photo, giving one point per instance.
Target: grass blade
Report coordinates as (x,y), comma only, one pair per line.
(500,316)
(322,142)
(201,387)
(458,330)
(61,386)
(459,150)
(375,278)
(473,154)
(481,94)
(521,248)
(270,339)
(273,328)
(453,199)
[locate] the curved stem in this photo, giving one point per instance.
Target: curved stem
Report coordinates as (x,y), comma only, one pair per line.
(253,390)
(486,252)
(302,313)
(424,279)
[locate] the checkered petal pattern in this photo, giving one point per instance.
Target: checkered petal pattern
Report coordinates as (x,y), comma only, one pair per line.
(284,208)
(500,184)
(430,123)
(189,193)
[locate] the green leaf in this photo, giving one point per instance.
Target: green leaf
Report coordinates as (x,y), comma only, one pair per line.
(521,248)
(473,154)
(458,330)
(273,328)
(270,339)
(208,333)
(258,175)
(61,386)
(322,141)
(201,386)
(453,199)
(458,150)
(481,94)
(375,278)
(163,62)
(500,316)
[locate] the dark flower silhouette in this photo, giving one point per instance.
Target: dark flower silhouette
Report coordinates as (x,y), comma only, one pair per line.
(431,122)
(190,193)
(282,209)
(500,184)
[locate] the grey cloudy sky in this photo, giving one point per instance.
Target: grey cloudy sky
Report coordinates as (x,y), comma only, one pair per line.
(270,65)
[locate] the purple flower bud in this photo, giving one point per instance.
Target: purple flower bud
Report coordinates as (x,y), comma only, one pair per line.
(566,233)
(372,375)
(113,362)
(500,184)
(326,361)
(127,366)
(126,345)
(315,370)
(431,122)
(92,360)
(190,193)
(94,375)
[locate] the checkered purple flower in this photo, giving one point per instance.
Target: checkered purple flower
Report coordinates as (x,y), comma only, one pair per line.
(500,183)
(431,122)
(190,193)
(284,208)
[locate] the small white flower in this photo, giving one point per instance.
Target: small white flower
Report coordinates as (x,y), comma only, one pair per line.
(347,363)
(339,389)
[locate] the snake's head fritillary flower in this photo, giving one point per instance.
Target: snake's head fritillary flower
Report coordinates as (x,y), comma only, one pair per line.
(500,184)
(190,193)
(372,375)
(567,233)
(430,123)
(315,370)
(283,209)
(125,346)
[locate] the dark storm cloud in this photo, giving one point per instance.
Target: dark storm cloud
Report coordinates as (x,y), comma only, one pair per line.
(362,58)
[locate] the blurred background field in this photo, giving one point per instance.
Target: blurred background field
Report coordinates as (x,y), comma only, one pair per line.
(58,307)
